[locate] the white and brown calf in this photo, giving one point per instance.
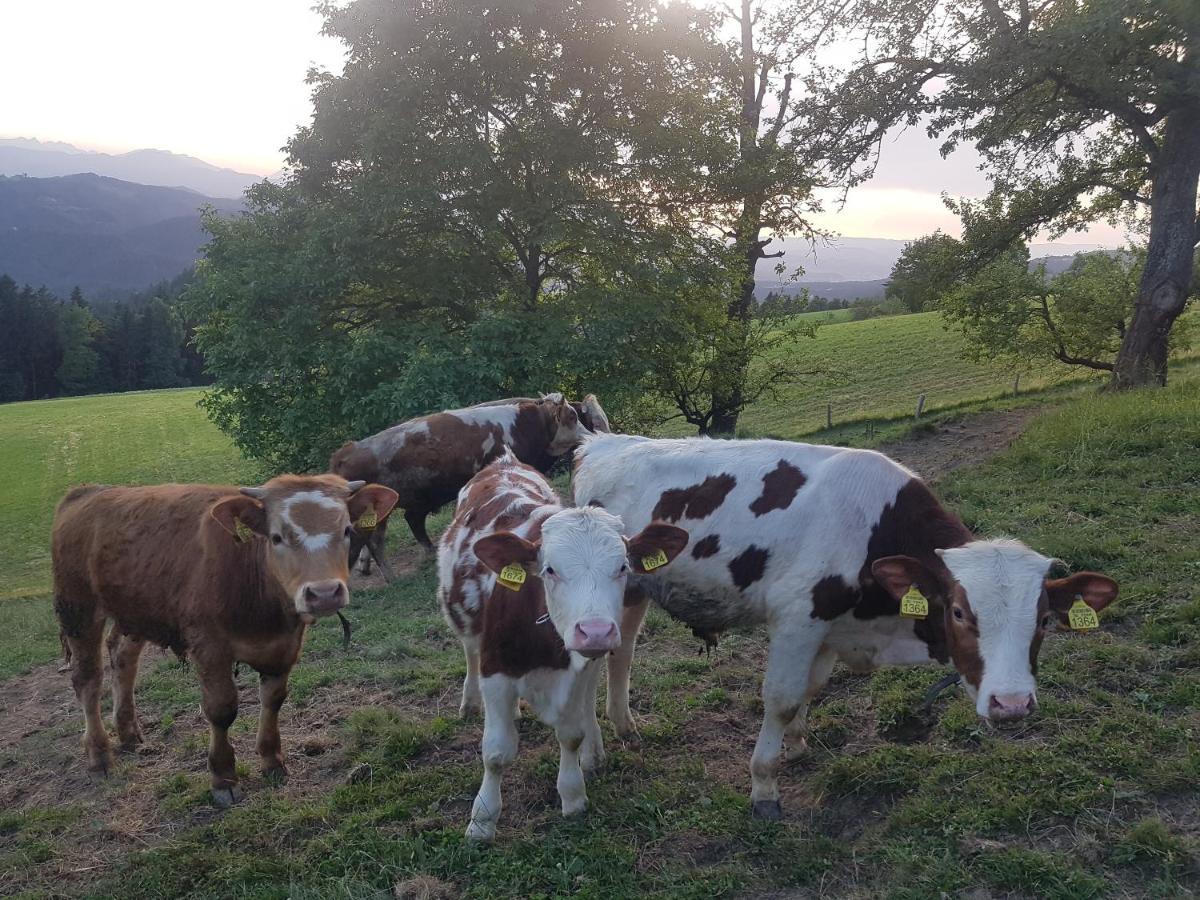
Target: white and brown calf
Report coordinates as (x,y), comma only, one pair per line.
(821,544)
(535,591)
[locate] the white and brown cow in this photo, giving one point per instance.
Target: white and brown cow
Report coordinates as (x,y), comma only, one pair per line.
(822,544)
(535,592)
(428,460)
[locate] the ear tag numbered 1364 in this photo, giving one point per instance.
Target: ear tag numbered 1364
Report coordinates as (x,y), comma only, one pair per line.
(512,576)
(656,560)
(913,605)
(1082,617)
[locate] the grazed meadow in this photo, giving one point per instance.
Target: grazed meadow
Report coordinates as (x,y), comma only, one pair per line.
(1093,796)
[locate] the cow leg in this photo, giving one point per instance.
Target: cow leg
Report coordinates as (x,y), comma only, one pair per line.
(359,553)
(591,755)
(620,661)
(124,652)
(272,691)
(219,701)
(472,701)
(499,749)
(87,680)
(416,523)
(790,661)
(796,734)
(570,774)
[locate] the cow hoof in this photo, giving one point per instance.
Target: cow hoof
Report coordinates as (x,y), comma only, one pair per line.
(131,742)
(100,763)
(223,798)
(592,762)
(574,812)
(767,810)
(480,834)
(276,774)
(472,710)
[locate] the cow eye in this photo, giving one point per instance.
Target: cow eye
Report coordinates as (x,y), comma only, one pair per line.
(958,614)
(347,532)
(549,570)
(277,539)
(624,569)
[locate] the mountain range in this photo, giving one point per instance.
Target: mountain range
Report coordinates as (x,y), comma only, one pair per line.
(45,159)
(108,237)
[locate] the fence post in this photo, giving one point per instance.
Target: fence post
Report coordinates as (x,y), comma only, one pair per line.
(920,406)
(828,415)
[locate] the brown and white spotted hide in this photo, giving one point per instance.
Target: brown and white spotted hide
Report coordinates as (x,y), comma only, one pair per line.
(537,634)
(428,460)
(821,544)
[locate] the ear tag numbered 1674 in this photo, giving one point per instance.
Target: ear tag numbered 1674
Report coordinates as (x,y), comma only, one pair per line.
(1082,617)
(913,605)
(512,576)
(656,560)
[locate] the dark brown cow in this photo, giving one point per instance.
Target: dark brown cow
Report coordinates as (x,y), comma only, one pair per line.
(427,460)
(218,574)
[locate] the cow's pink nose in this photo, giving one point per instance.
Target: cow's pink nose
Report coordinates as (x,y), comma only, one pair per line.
(596,636)
(1010,707)
(325,596)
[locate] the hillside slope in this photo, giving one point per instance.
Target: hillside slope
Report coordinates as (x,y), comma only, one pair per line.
(105,235)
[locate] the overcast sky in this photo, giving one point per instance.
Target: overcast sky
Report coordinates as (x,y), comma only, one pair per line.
(224,80)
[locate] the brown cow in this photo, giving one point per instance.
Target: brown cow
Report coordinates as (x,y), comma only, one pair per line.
(427,460)
(215,573)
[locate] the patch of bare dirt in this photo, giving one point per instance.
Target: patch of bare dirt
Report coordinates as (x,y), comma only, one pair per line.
(401,561)
(42,765)
(967,441)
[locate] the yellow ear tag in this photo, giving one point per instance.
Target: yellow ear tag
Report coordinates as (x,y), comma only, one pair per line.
(242,531)
(512,576)
(367,521)
(655,561)
(1082,617)
(913,605)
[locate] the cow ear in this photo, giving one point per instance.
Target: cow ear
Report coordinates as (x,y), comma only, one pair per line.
(241,510)
(372,499)
(896,574)
(505,548)
(655,546)
(1096,590)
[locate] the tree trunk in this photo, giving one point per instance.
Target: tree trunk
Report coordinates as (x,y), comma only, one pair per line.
(1167,276)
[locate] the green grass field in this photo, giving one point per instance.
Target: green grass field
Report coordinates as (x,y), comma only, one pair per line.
(1095,796)
(140,438)
(877,368)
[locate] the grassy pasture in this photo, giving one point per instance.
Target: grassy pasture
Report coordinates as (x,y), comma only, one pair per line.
(1094,797)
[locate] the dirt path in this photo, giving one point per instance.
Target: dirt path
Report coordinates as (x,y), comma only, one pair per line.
(967,441)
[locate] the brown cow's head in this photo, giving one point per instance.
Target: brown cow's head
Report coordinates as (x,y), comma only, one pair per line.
(355,462)
(305,523)
(997,605)
(563,426)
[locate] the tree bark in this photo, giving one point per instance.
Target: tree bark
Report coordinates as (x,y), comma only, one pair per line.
(727,403)
(1167,276)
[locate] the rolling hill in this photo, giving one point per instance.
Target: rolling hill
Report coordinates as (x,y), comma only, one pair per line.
(105,235)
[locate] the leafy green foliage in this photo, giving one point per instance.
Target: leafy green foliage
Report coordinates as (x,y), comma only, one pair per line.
(1078,317)
(1083,110)
(925,270)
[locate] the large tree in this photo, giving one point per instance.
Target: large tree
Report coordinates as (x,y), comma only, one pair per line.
(1083,110)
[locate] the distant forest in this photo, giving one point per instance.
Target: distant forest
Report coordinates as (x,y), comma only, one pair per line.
(55,347)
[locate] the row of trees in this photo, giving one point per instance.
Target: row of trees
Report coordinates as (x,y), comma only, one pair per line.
(54,348)
(493,199)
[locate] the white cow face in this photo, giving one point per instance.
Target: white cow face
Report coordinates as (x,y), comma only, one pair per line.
(582,562)
(997,605)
